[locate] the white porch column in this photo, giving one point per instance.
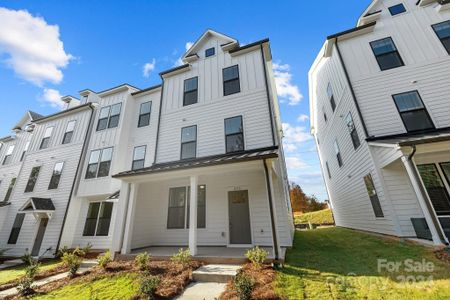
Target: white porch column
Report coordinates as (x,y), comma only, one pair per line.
(412,173)
(193,216)
(129,224)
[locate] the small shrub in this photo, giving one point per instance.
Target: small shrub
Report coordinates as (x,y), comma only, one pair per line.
(79,252)
(25,283)
(87,249)
(149,284)
(72,261)
(183,257)
(257,256)
(244,285)
(104,259)
(61,251)
(142,260)
(28,259)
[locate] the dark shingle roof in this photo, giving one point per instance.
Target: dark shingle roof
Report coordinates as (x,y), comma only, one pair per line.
(35,115)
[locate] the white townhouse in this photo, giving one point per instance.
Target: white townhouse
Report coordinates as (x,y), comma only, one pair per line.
(36,206)
(380,115)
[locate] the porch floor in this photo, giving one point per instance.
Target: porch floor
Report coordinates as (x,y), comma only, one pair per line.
(208,254)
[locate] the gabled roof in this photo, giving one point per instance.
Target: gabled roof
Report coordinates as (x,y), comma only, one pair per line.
(38,204)
(27,118)
(193,50)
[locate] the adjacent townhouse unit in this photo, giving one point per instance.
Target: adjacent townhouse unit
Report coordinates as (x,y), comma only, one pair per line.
(380,115)
(195,162)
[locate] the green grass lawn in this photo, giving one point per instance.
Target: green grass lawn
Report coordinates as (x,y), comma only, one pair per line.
(115,287)
(17,272)
(337,263)
(317,217)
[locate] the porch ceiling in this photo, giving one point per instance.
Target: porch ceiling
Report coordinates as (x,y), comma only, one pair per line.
(409,139)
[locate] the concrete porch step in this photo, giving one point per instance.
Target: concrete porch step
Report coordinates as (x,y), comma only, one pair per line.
(215,273)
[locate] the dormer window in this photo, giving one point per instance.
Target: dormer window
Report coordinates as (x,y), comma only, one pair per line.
(210,52)
(397,9)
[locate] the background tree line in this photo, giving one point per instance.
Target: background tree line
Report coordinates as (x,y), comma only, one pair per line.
(301,203)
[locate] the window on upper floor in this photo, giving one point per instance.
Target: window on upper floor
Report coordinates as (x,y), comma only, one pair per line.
(234,134)
(27,145)
(443,32)
(338,153)
(386,54)
(56,176)
(109,116)
(14,235)
(144,114)
(98,219)
(32,179)
(412,111)
(10,189)
(352,129)
(231,84)
(46,139)
(99,163)
(210,52)
(397,9)
(324,115)
(328,169)
(67,138)
(189,142)
(374,200)
(138,157)
(8,154)
(190,95)
(331,96)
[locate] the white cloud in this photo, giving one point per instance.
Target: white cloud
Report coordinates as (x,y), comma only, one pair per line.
(53,98)
(285,88)
(188,45)
(295,134)
(294,163)
(179,62)
(289,147)
(33,48)
(302,118)
(148,68)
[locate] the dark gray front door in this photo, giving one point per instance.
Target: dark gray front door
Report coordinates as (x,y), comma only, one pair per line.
(39,237)
(239,215)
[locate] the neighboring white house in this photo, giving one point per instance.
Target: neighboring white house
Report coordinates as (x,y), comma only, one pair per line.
(380,114)
(196,161)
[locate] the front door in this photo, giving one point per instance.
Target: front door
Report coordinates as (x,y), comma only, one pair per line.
(239,215)
(39,237)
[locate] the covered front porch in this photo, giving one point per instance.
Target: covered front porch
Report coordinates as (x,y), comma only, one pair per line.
(217,211)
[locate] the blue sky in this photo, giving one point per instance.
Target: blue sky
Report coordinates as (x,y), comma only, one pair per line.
(99,44)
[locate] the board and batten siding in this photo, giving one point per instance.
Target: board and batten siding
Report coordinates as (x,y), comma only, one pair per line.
(426,69)
(212,107)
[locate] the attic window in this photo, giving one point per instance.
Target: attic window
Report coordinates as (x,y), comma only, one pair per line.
(210,52)
(397,9)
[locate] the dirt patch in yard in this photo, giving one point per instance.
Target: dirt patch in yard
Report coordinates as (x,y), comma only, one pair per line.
(443,255)
(263,278)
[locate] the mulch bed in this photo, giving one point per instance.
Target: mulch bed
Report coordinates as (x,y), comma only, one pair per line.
(443,255)
(264,288)
(174,277)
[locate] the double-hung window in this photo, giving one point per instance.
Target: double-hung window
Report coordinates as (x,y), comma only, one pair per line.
(435,187)
(103,118)
(144,114)
(189,142)
(210,52)
(138,157)
(115,115)
(338,153)
(27,145)
(412,111)
(32,179)
(46,139)
(234,134)
(374,200)
(99,163)
(328,169)
(8,155)
(178,213)
(352,129)
(331,96)
(10,189)
(397,9)
(109,116)
(98,219)
(69,132)
(190,95)
(56,176)
(14,235)
(231,84)
(386,54)
(443,32)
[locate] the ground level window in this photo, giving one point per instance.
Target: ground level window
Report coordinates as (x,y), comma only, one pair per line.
(98,219)
(14,235)
(178,214)
(435,188)
(376,205)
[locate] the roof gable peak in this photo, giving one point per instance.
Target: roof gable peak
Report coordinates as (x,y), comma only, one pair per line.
(205,36)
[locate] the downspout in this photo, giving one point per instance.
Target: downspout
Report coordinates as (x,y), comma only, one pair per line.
(268,95)
(352,91)
(82,156)
(159,120)
(435,220)
(272,216)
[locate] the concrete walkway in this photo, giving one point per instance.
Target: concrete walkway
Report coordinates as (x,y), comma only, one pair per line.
(11,263)
(86,265)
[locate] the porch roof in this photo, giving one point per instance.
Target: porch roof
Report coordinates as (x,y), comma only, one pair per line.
(229,158)
(409,139)
(38,204)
